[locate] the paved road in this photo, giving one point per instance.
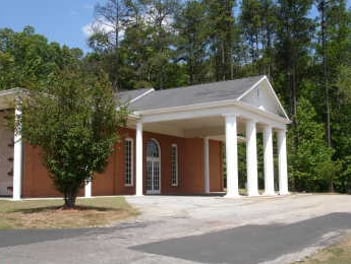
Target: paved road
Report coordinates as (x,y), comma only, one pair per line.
(251,243)
(187,230)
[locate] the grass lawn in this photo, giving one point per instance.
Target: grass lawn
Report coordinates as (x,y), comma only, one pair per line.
(48,214)
(337,254)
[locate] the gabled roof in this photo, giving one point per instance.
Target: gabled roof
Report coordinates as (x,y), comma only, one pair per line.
(253,92)
(195,94)
(133,95)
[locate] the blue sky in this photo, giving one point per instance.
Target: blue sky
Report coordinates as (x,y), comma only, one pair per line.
(59,20)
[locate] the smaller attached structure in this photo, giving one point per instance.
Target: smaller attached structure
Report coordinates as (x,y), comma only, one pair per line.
(173,143)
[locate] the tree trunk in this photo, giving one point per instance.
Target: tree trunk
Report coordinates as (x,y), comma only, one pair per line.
(70,199)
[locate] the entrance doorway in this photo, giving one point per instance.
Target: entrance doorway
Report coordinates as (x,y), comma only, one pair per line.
(153,161)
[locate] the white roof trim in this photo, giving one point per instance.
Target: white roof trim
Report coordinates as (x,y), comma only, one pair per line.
(142,95)
(264,78)
(252,87)
(276,97)
(210,107)
(12,91)
(185,107)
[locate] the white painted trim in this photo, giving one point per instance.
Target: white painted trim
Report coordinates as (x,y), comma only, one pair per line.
(212,108)
(159,160)
(88,189)
(141,95)
(184,108)
(239,110)
(251,89)
(251,158)
(17,159)
(129,139)
(261,114)
(139,160)
(265,78)
(268,161)
(12,91)
(231,148)
(276,97)
(283,166)
(207,165)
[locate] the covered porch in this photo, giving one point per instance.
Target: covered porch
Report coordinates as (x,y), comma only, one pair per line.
(232,127)
(232,112)
(11,148)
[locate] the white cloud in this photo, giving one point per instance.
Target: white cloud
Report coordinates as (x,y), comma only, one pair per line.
(87,30)
(90,28)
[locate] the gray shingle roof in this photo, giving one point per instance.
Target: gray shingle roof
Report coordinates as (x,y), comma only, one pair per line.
(195,94)
(127,96)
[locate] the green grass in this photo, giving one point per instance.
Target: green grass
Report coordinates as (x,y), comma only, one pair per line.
(48,214)
(336,254)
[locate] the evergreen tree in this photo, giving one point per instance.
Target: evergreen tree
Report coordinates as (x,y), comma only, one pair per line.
(192,41)
(221,21)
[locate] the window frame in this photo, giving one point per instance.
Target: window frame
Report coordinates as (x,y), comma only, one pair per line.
(131,162)
(174,165)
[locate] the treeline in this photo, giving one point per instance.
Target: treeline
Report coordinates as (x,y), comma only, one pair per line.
(304,47)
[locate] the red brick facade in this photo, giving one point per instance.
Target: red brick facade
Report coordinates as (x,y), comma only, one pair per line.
(37,183)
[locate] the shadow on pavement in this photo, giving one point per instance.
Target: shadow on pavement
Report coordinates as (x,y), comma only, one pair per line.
(250,244)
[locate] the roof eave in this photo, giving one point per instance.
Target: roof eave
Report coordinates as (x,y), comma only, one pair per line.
(223,103)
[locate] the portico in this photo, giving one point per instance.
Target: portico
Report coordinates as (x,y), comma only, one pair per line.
(256,110)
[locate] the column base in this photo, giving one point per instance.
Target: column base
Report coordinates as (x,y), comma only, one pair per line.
(284,193)
(232,195)
(253,194)
(269,193)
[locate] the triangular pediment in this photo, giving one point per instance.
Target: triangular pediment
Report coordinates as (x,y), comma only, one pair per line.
(263,97)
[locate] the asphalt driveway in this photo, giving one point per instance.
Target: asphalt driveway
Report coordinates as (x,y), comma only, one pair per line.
(193,230)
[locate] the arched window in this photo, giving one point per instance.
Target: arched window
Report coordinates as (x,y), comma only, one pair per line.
(153,161)
(153,149)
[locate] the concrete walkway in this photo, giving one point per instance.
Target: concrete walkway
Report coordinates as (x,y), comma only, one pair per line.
(191,229)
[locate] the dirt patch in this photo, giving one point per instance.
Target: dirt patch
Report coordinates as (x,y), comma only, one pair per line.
(336,254)
(48,214)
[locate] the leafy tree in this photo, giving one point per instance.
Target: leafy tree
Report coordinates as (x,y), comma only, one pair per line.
(312,166)
(74,121)
(27,59)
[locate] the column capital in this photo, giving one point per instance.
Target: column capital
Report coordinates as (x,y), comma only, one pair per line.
(228,115)
(268,126)
(251,120)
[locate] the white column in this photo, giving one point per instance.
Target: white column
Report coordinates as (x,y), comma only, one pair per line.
(207,164)
(17,157)
(251,158)
(231,147)
(283,166)
(88,189)
(139,159)
(268,161)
